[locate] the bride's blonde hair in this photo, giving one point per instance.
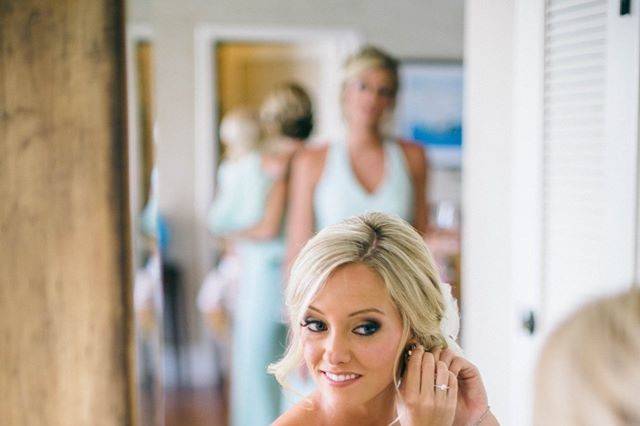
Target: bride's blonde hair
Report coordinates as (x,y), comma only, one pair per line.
(589,369)
(390,247)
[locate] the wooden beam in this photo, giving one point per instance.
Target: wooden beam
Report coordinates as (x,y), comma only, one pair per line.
(65,311)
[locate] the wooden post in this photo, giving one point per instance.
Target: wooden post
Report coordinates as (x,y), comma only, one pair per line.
(65,299)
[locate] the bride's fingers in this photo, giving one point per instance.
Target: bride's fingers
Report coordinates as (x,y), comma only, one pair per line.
(436,354)
(452,393)
(441,382)
(447,356)
(411,380)
(428,374)
(462,368)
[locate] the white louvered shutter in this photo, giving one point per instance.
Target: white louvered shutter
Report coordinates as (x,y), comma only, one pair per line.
(589,194)
(574,142)
(574,212)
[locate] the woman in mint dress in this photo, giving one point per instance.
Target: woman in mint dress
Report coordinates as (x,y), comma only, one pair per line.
(363,172)
(251,212)
(257,332)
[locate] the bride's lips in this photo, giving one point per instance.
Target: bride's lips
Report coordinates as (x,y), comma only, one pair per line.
(340,379)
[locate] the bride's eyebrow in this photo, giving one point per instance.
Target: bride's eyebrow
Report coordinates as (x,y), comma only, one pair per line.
(364,311)
(361,311)
(313,308)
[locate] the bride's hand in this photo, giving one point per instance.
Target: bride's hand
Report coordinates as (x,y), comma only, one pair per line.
(421,403)
(472,396)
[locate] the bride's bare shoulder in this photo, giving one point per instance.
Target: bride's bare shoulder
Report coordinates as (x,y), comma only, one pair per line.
(300,414)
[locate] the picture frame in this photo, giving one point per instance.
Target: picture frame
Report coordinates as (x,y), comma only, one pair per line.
(429,109)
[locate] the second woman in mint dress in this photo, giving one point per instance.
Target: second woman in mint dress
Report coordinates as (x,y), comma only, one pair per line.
(252,216)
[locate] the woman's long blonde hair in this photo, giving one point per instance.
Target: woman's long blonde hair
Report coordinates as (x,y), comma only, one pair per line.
(589,369)
(389,246)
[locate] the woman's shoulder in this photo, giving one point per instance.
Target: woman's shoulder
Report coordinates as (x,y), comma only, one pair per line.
(312,155)
(311,160)
(275,165)
(411,148)
(299,414)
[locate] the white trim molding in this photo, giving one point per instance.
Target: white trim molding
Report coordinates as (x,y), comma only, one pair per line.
(206,37)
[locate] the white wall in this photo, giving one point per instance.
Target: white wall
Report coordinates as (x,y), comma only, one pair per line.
(139,11)
(487,156)
(431,28)
(418,29)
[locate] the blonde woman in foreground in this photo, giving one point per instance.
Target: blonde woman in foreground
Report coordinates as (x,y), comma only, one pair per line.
(589,370)
(368,317)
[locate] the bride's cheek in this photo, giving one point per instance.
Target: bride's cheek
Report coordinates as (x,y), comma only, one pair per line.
(380,354)
(311,351)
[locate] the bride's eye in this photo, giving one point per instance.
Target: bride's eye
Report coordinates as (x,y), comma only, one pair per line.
(367,329)
(314,326)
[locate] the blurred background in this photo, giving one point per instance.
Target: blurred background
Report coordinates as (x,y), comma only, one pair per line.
(527,112)
(538,196)
(204,59)
(535,178)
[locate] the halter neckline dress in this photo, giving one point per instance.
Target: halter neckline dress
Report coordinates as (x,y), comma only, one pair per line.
(339,194)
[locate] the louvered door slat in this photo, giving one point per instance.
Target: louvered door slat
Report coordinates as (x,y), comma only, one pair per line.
(573,134)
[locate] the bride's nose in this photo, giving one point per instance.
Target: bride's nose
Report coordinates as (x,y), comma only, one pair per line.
(337,349)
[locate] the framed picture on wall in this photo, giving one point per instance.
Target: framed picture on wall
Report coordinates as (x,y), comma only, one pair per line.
(429,109)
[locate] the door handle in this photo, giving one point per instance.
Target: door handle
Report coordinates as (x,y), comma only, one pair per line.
(625,7)
(529,322)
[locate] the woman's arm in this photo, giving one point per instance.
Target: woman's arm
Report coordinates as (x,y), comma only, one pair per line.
(271,222)
(417,162)
(306,170)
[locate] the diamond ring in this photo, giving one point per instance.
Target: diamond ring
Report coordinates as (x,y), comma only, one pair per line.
(441,387)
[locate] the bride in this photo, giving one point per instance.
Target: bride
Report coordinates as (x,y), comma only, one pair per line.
(371,320)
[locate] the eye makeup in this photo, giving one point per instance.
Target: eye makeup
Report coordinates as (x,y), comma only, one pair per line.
(313,325)
(366,328)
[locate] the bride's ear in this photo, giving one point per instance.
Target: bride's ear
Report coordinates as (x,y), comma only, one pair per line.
(413,339)
(411,344)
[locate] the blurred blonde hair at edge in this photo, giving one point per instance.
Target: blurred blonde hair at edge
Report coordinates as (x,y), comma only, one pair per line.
(589,369)
(392,248)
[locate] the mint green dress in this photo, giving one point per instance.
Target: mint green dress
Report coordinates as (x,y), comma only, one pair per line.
(258,337)
(339,195)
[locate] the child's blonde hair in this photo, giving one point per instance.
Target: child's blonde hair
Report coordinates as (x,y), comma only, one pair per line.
(239,132)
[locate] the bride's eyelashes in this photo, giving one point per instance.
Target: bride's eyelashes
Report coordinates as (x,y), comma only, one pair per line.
(314,325)
(366,328)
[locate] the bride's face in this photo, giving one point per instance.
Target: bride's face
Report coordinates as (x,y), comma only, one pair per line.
(351,333)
